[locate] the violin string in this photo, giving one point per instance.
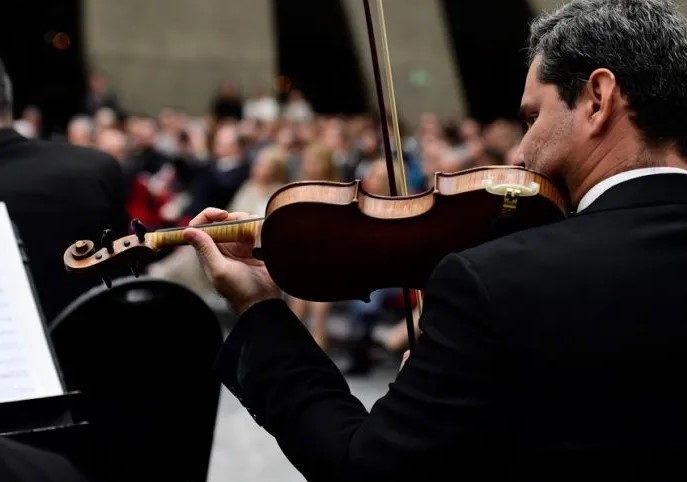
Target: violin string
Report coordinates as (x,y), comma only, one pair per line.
(208,225)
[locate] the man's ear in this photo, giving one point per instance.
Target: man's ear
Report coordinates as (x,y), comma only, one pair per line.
(601,98)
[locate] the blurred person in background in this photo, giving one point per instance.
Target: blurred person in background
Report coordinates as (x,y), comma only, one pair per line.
(99,95)
(171,123)
(296,108)
(228,104)
(367,148)
(261,106)
(499,137)
(217,183)
(150,175)
(80,131)
(30,124)
(56,193)
(145,157)
(287,141)
(250,132)
(470,130)
(114,143)
(105,118)
(432,153)
(333,137)
(307,132)
(268,173)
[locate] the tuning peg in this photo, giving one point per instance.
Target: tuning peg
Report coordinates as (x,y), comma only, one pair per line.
(108,281)
(135,270)
(140,229)
(107,240)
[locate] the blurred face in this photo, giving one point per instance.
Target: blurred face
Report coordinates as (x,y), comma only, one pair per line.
(226,143)
(307,132)
(547,146)
(248,128)
(333,137)
(469,130)
(98,83)
(79,134)
(375,180)
(368,142)
(312,167)
(285,137)
(113,142)
(143,133)
(262,171)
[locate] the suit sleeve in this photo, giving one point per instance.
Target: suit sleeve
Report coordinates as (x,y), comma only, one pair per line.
(444,402)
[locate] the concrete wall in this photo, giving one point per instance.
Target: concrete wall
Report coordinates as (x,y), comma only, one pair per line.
(421,57)
(162,52)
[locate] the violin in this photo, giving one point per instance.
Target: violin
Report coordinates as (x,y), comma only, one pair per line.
(326,241)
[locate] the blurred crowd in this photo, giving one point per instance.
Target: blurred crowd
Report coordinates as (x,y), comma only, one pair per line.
(246,147)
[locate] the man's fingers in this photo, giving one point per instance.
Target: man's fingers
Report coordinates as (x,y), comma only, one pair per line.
(206,248)
(214,215)
(209,215)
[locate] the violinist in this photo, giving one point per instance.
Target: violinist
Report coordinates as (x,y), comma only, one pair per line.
(554,353)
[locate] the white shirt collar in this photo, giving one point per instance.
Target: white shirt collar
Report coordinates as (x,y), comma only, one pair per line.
(594,193)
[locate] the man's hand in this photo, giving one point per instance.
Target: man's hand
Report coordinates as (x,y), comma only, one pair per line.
(240,278)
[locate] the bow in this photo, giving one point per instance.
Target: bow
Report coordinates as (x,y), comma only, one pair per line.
(393,187)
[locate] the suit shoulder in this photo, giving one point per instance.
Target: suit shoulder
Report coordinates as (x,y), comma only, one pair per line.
(78,156)
(539,241)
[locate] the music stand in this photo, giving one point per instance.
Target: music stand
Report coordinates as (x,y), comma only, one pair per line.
(55,423)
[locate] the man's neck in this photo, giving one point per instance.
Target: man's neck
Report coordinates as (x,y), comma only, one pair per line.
(619,154)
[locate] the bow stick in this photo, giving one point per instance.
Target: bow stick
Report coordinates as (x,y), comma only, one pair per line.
(393,189)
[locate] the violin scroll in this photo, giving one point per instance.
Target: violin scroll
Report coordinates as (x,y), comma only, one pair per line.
(83,257)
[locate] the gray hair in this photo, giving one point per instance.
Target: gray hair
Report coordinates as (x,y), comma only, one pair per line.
(644,44)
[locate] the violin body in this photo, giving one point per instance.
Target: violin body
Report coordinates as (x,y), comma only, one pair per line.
(325,241)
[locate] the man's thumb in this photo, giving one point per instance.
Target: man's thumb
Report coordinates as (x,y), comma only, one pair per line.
(204,246)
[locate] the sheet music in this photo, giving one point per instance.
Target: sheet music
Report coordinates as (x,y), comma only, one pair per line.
(27,368)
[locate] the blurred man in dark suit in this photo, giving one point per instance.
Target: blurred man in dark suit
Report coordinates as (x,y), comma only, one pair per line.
(56,194)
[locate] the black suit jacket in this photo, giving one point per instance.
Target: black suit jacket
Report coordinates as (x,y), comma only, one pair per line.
(56,194)
(23,463)
(557,353)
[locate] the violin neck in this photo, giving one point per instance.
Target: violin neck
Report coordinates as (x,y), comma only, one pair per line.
(247,230)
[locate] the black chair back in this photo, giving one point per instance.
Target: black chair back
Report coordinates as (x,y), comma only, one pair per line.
(142,355)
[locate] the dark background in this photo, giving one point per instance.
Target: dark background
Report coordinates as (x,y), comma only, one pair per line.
(43,75)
